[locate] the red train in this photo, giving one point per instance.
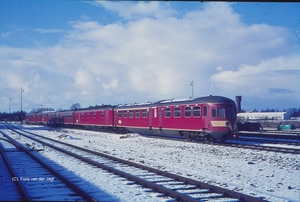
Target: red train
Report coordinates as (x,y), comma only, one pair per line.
(208,118)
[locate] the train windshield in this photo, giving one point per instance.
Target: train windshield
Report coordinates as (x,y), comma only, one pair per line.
(230,113)
(223,112)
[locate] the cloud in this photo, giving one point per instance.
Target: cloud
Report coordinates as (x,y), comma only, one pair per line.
(272,77)
(48,31)
(6,34)
(133,10)
(280,91)
(153,54)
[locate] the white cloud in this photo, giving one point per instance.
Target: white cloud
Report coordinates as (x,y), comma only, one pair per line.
(269,79)
(153,55)
(133,10)
(6,34)
(48,31)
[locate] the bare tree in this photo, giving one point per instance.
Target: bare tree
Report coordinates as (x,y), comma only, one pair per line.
(75,106)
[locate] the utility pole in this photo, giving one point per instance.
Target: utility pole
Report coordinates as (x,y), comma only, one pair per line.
(9,105)
(9,99)
(21,105)
(192,85)
(9,116)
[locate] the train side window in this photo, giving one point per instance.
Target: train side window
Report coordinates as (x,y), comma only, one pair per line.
(119,114)
(125,114)
(213,112)
(102,114)
(167,112)
(196,111)
(177,112)
(130,113)
(94,114)
(137,113)
(144,113)
(82,115)
(205,111)
(187,111)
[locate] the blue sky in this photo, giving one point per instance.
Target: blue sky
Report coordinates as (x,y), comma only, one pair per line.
(99,52)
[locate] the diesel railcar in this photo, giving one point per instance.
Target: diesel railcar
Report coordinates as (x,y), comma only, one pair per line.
(208,118)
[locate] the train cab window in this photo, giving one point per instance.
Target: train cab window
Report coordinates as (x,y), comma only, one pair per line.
(125,114)
(94,114)
(218,112)
(130,113)
(221,112)
(187,111)
(137,113)
(205,111)
(196,111)
(230,113)
(144,113)
(177,112)
(119,114)
(167,112)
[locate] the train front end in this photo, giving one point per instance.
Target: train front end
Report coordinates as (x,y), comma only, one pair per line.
(221,122)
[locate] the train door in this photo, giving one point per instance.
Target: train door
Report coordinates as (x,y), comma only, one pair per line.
(150,117)
(78,117)
(106,117)
(160,120)
(205,117)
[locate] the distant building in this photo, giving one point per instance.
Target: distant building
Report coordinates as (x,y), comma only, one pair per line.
(264,116)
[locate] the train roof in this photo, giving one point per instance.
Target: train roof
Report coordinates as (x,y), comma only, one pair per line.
(95,107)
(206,99)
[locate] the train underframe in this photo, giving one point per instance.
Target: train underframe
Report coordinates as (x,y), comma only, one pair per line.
(205,136)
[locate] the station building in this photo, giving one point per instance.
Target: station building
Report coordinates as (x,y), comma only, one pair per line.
(264,116)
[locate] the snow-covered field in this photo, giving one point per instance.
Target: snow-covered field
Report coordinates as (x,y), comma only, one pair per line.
(274,176)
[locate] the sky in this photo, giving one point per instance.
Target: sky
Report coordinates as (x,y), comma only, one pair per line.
(117,52)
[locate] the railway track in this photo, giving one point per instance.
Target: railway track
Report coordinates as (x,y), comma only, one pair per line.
(246,144)
(168,184)
(30,178)
(262,147)
(270,140)
(286,135)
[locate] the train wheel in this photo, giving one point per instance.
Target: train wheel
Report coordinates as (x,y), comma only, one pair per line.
(187,135)
(207,138)
(181,133)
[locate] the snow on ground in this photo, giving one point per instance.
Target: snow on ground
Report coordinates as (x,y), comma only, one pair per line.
(274,176)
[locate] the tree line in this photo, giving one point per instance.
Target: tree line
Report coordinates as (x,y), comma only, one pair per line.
(295,112)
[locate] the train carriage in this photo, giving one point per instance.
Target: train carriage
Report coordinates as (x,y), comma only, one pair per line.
(30,118)
(134,117)
(33,118)
(65,117)
(208,118)
(99,116)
